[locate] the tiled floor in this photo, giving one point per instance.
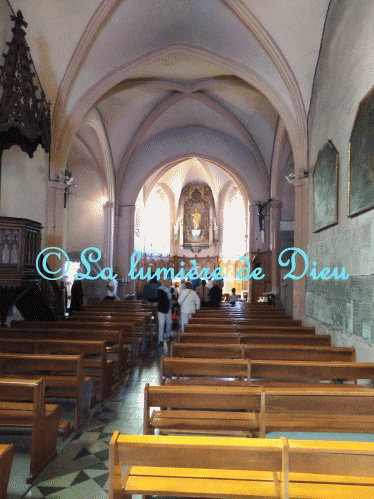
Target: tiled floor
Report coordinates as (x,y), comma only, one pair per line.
(81,469)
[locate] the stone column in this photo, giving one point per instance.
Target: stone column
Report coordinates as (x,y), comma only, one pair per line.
(56,221)
(108,209)
(252,243)
(125,225)
(275,218)
(301,241)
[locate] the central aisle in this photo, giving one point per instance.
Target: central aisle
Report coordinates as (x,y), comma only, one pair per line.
(81,470)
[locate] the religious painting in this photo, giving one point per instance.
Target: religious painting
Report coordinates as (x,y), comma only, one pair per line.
(325,187)
(361,159)
(197,202)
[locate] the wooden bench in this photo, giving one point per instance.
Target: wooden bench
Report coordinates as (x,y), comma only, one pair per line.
(268,322)
(190,466)
(22,404)
(219,338)
(94,355)
(263,372)
(209,328)
(261,339)
(255,329)
(6,460)
(203,410)
(280,372)
(205,371)
(198,409)
(285,339)
(272,329)
(118,337)
(64,379)
(264,352)
(207,350)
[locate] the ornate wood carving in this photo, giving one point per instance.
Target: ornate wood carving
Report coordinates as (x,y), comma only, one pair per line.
(24,112)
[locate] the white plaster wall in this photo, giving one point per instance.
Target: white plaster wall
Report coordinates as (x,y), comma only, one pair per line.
(24,185)
(345,73)
(85,216)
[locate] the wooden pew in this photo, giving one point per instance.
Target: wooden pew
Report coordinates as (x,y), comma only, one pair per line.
(262,339)
(209,328)
(207,350)
(219,338)
(192,466)
(42,418)
(100,365)
(221,410)
(299,352)
(117,336)
(264,352)
(6,460)
(205,371)
(65,378)
(266,322)
(263,372)
(272,329)
(239,467)
(322,409)
(280,372)
(286,339)
(237,328)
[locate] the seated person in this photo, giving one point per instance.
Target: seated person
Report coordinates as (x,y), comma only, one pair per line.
(233,297)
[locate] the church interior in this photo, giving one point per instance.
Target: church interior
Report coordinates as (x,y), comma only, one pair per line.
(187,135)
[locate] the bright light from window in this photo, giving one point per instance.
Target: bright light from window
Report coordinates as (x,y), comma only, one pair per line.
(152,223)
(234,227)
(97,206)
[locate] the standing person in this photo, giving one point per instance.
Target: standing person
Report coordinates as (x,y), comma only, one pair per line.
(76,293)
(149,292)
(189,303)
(209,283)
(164,299)
(215,295)
(203,293)
(111,287)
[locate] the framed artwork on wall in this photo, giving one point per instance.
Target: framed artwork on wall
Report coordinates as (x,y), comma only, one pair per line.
(325,187)
(361,159)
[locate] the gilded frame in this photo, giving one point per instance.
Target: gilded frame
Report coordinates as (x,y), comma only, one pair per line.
(361,157)
(325,187)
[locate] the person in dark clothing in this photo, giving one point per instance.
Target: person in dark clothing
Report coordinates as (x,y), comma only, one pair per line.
(76,296)
(149,292)
(215,295)
(164,306)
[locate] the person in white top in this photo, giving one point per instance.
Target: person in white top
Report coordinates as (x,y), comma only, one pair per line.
(111,290)
(189,303)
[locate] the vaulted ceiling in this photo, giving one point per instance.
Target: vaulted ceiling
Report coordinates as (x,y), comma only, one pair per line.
(130,80)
